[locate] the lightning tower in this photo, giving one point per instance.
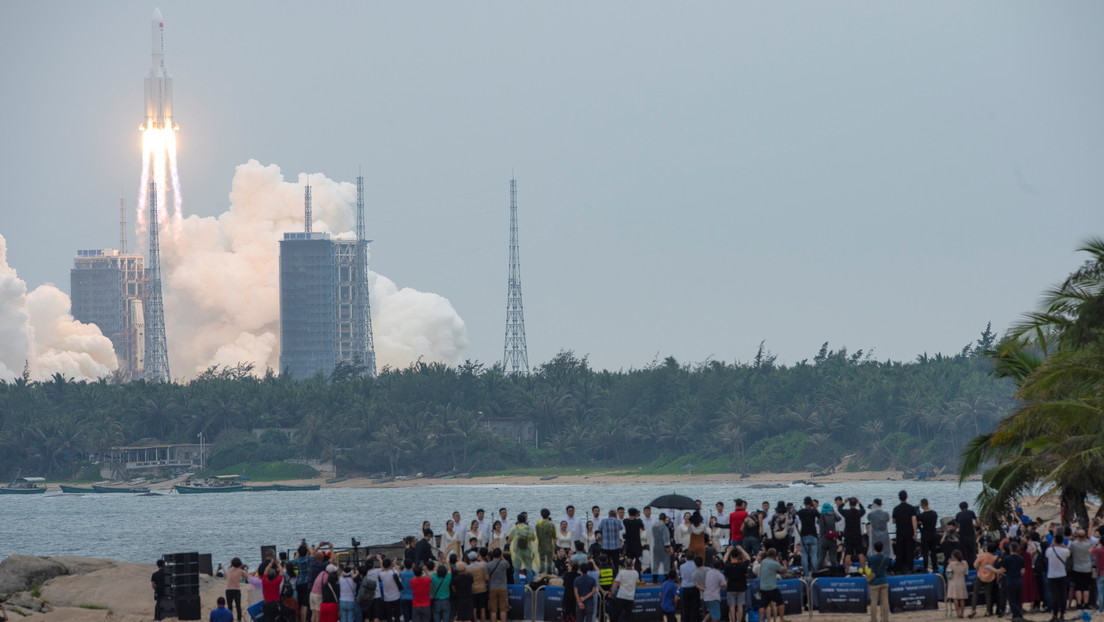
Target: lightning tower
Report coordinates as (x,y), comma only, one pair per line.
(157,351)
(515,357)
(122,226)
(362,307)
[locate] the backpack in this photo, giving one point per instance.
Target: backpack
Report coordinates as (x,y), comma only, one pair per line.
(366,593)
(523,538)
(287,588)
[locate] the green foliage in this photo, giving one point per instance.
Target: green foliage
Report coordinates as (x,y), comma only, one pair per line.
(433,418)
(780,453)
(265,471)
(87,474)
(1054,440)
(247,449)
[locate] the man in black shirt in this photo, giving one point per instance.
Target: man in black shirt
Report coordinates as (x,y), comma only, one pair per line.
(808,517)
(904,519)
(929,539)
(634,549)
(157,581)
(967,532)
(423,550)
(736,566)
(852,533)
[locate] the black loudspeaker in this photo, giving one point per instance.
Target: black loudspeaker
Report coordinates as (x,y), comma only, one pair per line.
(182,586)
(205,566)
(187,608)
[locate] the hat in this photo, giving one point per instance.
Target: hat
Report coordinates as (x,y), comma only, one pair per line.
(472,555)
(1019,510)
(331,568)
(826,508)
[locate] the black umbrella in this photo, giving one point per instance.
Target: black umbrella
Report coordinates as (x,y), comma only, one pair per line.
(674,502)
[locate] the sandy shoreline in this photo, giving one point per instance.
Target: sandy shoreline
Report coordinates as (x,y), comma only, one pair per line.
(598,479)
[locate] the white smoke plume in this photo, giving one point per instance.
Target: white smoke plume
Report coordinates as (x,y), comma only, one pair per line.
(37,330)
(221,275)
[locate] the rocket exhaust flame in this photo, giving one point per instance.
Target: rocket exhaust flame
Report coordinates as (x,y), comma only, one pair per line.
(159,138)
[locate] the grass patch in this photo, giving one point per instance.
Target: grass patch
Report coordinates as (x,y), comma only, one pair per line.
(18,610)
(94,607)
(265,471)
(36,592)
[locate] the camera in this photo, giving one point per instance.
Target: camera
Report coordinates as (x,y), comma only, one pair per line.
(356,543)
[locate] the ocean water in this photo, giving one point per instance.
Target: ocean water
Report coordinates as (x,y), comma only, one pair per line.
(142,528)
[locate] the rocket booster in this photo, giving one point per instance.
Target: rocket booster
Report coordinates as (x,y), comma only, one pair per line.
(158,84)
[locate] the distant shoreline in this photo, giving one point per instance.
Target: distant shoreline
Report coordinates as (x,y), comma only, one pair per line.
(604,479)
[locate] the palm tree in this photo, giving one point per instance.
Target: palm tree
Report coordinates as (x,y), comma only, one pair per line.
(1056,357)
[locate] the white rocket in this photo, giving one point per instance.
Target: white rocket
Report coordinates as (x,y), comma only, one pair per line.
(158,84)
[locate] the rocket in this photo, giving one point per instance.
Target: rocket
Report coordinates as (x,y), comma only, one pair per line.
(158,84)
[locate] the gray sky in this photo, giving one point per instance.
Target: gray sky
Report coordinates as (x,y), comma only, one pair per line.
(693,178)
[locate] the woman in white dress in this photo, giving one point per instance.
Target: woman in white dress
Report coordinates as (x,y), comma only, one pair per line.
(450,541)
(563,538)
(498,538)
(588,537)
(473,532)
(682,532)
(717,535)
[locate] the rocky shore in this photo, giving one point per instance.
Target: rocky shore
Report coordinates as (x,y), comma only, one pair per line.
(83,589)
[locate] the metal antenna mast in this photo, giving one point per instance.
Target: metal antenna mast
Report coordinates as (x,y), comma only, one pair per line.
(157,351)
(362,305)
(307,216)
(122,226)
(515,357)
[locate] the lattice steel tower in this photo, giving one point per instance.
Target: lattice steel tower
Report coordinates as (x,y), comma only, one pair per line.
(157,351)
(362,307)
(515,358)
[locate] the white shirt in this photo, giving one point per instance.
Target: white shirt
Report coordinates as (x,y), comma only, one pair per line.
(626,581)
(390,587)
(1056,561)
(575,527)
(686,571)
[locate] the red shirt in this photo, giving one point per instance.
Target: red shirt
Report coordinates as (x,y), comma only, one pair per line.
(419,587)
(736,526)
(271,587)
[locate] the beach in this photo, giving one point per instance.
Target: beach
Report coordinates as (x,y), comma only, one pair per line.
(601,478)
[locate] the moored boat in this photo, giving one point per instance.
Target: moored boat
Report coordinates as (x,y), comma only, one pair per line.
(262,487)
(187,490)
(24,486)
(287,488)
(77,489)
(120,489)
(218,483)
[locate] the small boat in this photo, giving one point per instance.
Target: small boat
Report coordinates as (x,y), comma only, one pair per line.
(77,489)
(218,483)
(262,487)
(24,486)
(120,489)
(287,488)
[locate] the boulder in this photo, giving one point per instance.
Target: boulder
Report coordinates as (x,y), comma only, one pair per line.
(22,572)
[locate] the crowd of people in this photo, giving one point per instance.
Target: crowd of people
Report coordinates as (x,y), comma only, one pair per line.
(703,560)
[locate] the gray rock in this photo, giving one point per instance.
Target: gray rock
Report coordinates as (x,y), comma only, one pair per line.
(22,572)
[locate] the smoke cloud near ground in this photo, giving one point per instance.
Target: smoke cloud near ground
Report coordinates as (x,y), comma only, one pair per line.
(37,331)
(221,276)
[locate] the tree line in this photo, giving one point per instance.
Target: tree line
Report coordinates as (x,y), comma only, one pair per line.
(737,417)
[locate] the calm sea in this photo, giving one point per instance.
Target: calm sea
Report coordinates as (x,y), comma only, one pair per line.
(141,529)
